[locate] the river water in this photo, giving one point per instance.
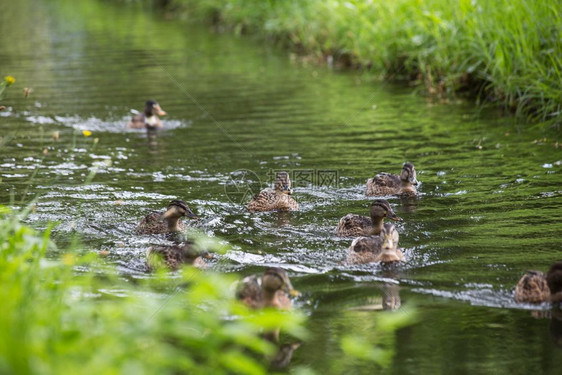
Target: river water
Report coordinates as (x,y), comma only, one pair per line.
(489,205)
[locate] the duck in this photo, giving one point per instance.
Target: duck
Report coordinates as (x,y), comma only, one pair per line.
(391,184)
(272,289)
(174,256)
(149,118)
(277,199)
(167,221)
(371,249)
(352,225)
(536,287)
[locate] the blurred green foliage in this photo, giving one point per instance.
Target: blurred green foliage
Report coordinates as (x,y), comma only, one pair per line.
(509,52)
(78,316)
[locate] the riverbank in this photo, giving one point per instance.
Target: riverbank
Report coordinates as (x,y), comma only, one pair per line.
(503,52)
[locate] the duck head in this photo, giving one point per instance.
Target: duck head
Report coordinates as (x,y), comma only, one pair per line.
(389,248)
(283,183)
(276,278)
(152,108)
(177,209)
(380,209)
(408,174)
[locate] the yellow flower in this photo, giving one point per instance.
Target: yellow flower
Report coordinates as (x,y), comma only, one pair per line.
(86,133)
(9,80)
(69,259)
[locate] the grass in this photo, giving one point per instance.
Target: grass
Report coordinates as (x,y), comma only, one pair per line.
(504,52)
(76,315)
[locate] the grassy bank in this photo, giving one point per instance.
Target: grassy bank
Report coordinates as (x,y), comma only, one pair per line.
(504,52)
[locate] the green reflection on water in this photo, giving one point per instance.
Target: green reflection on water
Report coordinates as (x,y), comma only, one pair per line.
(485,214)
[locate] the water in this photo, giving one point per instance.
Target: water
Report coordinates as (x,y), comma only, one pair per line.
(489,208)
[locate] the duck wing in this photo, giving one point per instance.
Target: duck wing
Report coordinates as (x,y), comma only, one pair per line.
(249,291)
(176,255)
(352,225)
(364,250)
(265,200)
(387,180)
(136,122)
(152,224)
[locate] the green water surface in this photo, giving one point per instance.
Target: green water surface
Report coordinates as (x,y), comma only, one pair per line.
(489,206)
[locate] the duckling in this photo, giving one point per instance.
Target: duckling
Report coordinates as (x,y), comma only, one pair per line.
(532,288)
(270,290)
(382,248)
(390,252)
(149,118)
(174,256)
(352,225)
(276,199)
(168,221)
(536,287)
(390,184)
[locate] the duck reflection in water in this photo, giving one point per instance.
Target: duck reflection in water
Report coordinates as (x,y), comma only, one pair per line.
(409,203)
(391,297)
(389,301)
(555,326)
(284,354)
(152,137)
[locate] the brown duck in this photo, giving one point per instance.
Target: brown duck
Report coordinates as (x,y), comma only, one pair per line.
(352,225)
(390,184)
(272,289)
(382,248)
(174,256)
(277,199)
(536,287)
(167,221)
(149,118)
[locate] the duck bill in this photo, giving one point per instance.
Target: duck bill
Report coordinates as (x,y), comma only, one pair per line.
(387,245)
(413,181)
(294,293)
(390,252)
(290,290)
(207,255)
(159,111)
(191,215)
(392,216)
(288,191)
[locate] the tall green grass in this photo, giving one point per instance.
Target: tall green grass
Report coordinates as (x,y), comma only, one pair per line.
(503,51)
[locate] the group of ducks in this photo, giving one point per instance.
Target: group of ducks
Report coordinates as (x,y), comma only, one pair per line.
(375,241)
